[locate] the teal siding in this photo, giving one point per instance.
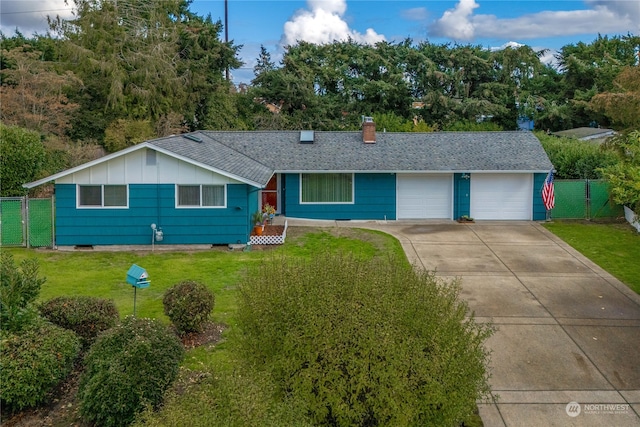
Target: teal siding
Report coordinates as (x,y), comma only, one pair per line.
(375,198)
(253,202)
(539,211)
(461,195)
(151,203)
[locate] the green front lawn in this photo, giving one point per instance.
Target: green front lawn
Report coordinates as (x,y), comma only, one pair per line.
(613,246)
(103,274)
(211,375)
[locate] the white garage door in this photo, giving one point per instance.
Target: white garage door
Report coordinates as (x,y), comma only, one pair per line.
(501,196)
(422,196)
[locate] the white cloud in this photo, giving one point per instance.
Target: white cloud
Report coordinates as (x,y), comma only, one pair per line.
(338,7)
(323,22)
(628,10)
(461,24)
(457,23)
(415,14)
(30,16)
(511,44)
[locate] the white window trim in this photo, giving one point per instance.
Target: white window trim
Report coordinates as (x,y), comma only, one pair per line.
(353,192)
(79,206)
(178,206)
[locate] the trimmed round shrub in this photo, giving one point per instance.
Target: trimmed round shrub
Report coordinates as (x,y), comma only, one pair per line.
(188,304)
(84,315)
(34,362)
(128,368)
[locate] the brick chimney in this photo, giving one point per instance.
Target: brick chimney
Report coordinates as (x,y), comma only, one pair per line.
(368,130)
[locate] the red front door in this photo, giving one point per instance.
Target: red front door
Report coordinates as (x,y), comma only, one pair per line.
(270,193)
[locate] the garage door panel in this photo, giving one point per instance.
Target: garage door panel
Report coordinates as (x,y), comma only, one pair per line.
(423,196)
(501,196)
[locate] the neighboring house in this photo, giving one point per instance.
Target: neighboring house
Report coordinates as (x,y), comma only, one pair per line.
(586,134)
(202,187)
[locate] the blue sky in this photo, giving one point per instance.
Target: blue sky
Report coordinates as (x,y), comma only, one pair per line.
(275,24)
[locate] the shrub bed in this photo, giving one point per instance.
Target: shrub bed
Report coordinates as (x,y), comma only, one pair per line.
(19,287)
(364,342)
(127,368)
(34,362)
(188,304)
(86,316)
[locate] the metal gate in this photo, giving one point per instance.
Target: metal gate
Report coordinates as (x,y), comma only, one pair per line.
(584,199)
(26,222)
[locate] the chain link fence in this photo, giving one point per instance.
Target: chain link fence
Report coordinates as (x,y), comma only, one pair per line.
(12,223)
(26,222)
(584,199)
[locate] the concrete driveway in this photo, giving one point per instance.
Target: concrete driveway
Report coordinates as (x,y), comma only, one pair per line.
(567,343)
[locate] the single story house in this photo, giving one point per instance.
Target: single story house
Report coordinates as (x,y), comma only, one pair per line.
(203,187)
(598,135)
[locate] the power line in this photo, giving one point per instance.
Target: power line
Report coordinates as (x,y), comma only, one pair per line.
(32,11)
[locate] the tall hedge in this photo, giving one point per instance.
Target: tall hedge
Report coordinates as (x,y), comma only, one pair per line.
(364,342)
(575,159)
(21,160)
(128,368)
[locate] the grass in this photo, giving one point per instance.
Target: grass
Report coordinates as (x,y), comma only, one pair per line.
(103,274)
(209,373)
(613,246)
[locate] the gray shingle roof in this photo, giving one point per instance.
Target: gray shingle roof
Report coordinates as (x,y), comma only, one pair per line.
(216,155)
(253,156)
(392,152)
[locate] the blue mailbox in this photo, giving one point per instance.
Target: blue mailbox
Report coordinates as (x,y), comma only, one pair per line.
(138,277)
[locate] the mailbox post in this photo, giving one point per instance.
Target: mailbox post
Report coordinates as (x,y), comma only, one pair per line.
(139,279)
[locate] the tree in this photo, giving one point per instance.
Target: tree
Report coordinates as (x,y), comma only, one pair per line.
(209,99)
(622,103)
(123,133)
(144,60)
(264,64)
(590,69)
(34,90)
(22,158)
(624,176)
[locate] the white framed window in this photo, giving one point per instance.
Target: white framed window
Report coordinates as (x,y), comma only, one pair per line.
(102,196)
(201,196)
(326,188)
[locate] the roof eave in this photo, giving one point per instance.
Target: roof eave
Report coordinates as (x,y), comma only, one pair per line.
(419,171)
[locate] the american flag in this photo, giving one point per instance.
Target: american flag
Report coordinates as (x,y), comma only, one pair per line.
(548,196)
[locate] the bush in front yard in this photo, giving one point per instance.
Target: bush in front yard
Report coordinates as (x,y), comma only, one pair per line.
(364,342)
(128,368)
(34,362)
(86,316)
(188,304)
(19,287)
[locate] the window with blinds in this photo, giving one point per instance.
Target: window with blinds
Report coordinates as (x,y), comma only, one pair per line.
(326,188)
